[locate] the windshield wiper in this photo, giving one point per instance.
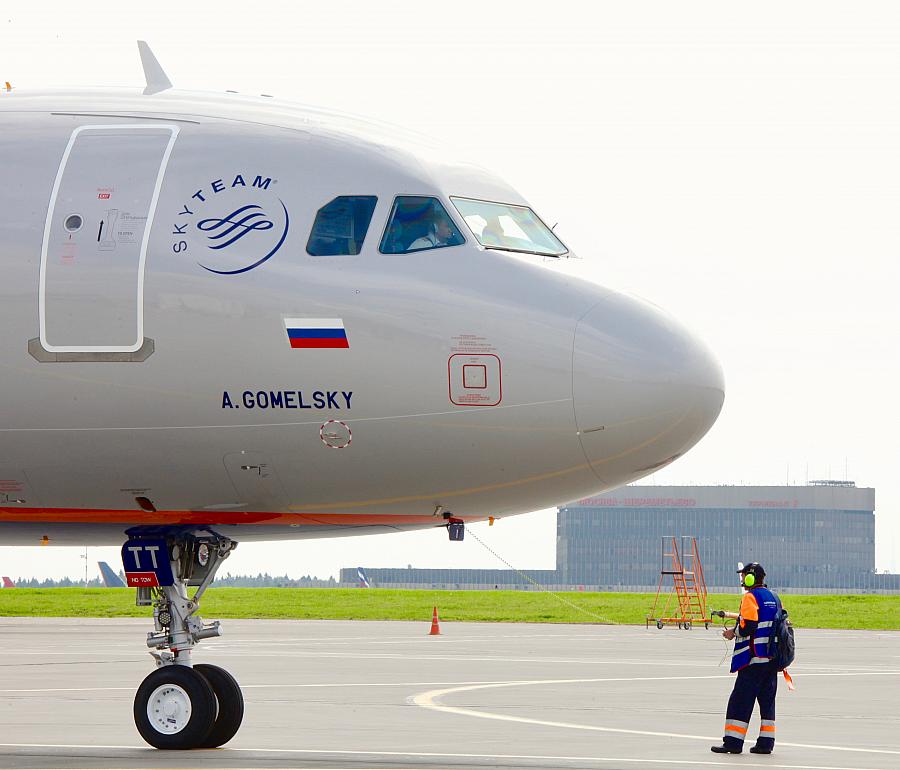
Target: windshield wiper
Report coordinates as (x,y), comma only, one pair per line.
(526,251)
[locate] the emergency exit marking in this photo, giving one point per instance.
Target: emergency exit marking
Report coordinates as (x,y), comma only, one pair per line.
(474,379)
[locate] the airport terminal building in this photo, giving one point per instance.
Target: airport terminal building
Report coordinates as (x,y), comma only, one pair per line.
(818,538)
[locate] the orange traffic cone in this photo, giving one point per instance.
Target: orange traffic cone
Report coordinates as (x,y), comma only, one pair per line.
(435,627)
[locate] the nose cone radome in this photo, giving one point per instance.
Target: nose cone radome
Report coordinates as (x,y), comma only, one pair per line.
(645,389)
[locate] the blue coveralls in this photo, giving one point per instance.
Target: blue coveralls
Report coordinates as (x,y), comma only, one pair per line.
(757,679)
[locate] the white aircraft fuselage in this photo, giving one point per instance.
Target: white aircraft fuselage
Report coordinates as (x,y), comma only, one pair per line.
(153,266)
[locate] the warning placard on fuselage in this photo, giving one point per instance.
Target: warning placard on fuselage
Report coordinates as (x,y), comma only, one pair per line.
(475,379)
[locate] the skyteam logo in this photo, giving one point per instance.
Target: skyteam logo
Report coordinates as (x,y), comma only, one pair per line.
(232,226)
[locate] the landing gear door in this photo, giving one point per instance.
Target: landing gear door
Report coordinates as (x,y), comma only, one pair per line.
(147,564)
(95,238)
(256,481)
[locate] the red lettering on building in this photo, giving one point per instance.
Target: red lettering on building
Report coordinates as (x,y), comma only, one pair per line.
(771,504)
(639,502)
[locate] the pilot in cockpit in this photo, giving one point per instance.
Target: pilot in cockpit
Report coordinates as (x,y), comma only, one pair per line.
(440,233)
(492,234)
(419,223)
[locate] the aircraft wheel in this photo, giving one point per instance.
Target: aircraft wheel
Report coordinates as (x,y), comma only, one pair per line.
(174,708)
(230,700)
(659,624)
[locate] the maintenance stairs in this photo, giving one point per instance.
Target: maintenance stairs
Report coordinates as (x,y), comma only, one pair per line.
(688,588)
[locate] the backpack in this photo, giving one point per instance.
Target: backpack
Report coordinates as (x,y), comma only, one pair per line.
(783,634)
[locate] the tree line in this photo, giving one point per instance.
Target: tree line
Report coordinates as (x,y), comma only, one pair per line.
(261,580)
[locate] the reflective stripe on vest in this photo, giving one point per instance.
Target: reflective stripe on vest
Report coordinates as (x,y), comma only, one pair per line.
(758,648)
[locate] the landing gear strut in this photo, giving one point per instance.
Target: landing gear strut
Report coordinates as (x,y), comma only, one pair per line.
(181,705)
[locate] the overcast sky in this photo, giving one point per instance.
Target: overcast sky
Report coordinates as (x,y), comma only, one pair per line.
(737,164)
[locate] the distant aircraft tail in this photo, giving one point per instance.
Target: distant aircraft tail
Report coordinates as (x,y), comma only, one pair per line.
(7,582)
(110,578)
(363,580)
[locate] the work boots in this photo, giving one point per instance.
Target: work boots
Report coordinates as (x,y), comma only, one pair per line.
(723,749)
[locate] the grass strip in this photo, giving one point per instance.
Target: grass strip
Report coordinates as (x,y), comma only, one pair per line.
(866,612)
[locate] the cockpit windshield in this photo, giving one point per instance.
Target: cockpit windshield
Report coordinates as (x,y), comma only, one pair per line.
(509,227)
(419,223)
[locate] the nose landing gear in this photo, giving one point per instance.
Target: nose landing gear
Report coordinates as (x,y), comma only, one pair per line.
(181,705)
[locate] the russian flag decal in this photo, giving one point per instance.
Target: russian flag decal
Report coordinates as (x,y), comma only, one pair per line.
(316,332)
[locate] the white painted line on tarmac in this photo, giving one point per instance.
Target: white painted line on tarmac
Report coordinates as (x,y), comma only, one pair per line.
(76,653)
(500,683)
(479,659)
(277,685)
(428,700)
(67,689)
(543,758)
(274,685)
(90,658)
(369,639)
(70,746)
(304,685)
(223,651)
(447,755)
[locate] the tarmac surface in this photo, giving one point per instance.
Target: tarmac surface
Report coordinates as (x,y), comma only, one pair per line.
(362,694)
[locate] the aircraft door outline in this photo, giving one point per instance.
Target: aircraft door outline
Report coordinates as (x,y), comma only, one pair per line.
(90,287)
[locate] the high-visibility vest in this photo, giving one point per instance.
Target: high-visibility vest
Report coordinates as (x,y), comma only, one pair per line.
(756,647)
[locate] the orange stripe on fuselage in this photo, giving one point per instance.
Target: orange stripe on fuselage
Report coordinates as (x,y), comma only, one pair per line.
(130,517)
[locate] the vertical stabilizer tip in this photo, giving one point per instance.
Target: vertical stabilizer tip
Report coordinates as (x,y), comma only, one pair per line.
(157,80)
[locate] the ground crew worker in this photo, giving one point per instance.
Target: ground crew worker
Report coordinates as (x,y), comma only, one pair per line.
(757,679)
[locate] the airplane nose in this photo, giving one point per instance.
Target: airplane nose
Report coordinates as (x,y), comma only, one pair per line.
(645,389)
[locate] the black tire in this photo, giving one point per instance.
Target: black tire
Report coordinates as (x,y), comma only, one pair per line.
(189,694)
(687,626)
(659,624)
(230,701)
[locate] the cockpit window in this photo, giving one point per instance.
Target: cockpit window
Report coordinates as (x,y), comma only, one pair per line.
(341,225)
(418,223)
(509,227)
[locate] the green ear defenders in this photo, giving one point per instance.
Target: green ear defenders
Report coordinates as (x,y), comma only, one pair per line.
(752,574)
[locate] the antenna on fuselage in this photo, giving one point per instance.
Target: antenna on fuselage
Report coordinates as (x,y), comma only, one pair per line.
(157,80)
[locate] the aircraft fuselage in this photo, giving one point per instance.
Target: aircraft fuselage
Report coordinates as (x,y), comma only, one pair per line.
(154,262)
